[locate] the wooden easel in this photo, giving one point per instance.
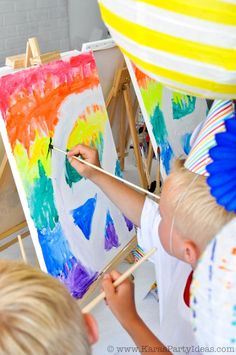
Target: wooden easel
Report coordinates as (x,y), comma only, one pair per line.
(123,254)
(120,93)
(33,56)
(14,229)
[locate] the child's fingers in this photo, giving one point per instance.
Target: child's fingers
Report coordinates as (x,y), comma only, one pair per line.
(107,286)
(85,151)
(76,164)
(79,149)
(115,275)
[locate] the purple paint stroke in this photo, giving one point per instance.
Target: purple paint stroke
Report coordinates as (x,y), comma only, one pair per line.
(111,237)
(129,224)
(78,278)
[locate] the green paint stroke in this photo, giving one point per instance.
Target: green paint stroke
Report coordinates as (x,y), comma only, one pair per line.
(161,136)
(41,202)
(182,105)
(159,126)
(152,95)
(98,143)
(72,176)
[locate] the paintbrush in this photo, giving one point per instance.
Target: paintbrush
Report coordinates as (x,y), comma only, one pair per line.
(51,146)
(122,278)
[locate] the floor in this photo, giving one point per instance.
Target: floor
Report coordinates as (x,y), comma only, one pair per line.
(112,337)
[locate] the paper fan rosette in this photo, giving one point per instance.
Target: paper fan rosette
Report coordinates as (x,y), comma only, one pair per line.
(222,170)
(198,158)
(188,45)
(213,292)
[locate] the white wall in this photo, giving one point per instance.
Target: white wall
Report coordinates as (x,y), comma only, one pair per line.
(85,23)
(45,19)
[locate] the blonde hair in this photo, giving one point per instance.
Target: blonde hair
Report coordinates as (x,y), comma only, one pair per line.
(197,217)
(37,314)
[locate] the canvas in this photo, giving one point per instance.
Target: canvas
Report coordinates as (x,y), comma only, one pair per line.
(76,230)
(170,116)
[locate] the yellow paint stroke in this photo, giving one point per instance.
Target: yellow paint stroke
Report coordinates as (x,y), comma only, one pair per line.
(28,166)
(89,128)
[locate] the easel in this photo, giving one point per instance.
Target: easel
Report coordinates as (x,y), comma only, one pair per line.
(14,229)
(33,56)
(120,93)
(123,254)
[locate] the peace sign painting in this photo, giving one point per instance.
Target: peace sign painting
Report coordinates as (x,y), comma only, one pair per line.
(75,229)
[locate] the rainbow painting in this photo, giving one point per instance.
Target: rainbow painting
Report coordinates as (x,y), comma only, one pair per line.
(75,229)
(170,117)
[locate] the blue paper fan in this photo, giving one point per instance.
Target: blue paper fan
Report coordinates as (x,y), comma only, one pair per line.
(222,170)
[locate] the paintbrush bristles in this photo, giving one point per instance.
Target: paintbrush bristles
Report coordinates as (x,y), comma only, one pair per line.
(109,174)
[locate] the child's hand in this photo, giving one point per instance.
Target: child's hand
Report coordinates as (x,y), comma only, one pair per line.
(120,299)
(88,154)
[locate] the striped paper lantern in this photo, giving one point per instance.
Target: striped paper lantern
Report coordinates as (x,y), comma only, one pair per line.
(189,45)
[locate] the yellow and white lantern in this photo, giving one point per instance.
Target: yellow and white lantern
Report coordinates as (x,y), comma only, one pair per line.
(189,45)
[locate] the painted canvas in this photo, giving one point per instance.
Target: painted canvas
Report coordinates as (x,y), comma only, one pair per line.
(170,116)
(76,230)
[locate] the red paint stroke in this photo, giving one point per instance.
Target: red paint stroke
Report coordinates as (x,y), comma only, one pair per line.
(141,77)
(30,99)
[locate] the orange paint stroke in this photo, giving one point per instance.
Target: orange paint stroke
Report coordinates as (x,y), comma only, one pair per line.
(141,77)
(33,107)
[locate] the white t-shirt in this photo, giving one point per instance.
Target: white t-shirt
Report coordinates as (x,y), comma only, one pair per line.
(172,274)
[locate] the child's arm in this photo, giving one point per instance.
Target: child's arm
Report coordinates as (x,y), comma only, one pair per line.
(121,303)
(129,201)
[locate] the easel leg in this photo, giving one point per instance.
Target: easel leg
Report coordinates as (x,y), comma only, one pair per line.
(113,110)
(3,165)
(122,137)
(22,249)
(149,157)
(131,118)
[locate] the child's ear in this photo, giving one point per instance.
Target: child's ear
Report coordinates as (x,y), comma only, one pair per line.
(191,252)
(92,328)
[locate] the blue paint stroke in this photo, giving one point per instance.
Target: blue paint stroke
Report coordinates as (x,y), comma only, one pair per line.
(59,260)
(129,224)
(183,107)
(111,237)
(213,250)
(83,216)
(161,136)
(61,263)
(185,141)
(166,156)
(78,278)
(55,249)
(118,169)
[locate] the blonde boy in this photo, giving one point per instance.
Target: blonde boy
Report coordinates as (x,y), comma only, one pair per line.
(38,315)
(188,218)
